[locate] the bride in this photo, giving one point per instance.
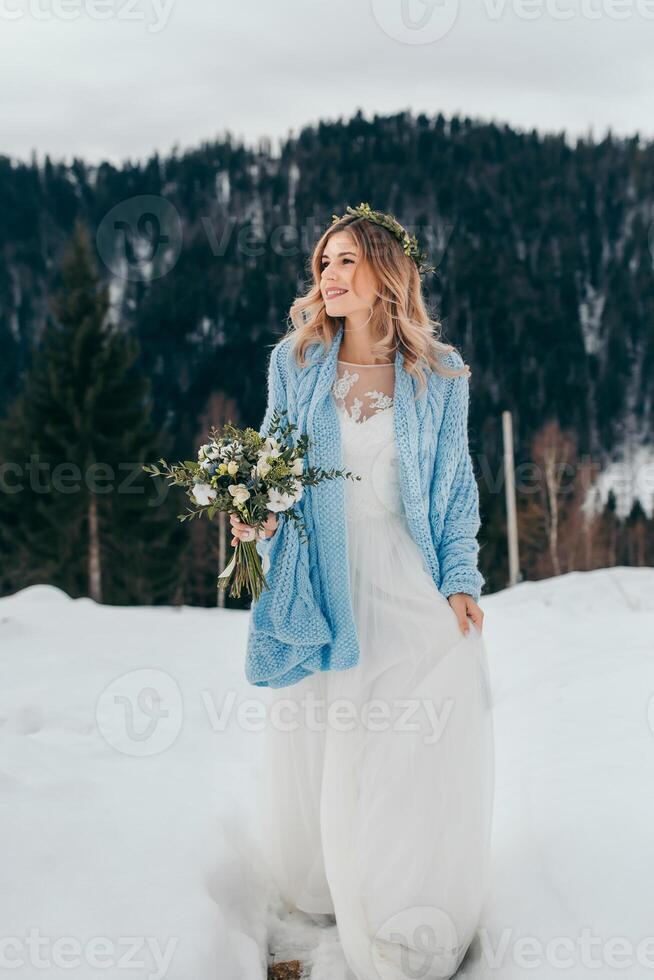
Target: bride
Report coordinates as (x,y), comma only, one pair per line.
(368,642)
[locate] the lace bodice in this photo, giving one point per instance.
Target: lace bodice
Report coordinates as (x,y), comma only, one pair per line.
(364,399)
(363,389)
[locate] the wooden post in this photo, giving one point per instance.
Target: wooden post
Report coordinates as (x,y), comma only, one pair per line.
(509,492)
(93,557)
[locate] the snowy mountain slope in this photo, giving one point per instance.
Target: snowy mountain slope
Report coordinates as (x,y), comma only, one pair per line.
(130,747)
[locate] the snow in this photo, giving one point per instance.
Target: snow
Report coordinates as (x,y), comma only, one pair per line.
(591,308)
(630,476)
(223,187)
(130,754)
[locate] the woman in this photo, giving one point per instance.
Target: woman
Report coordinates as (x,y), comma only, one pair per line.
(379,765)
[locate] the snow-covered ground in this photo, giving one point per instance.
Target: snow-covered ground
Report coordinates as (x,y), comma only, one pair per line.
(130,751)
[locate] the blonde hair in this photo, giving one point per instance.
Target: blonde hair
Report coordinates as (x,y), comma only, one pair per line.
(398,317)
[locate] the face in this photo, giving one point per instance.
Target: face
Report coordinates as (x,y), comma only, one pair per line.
(347,282)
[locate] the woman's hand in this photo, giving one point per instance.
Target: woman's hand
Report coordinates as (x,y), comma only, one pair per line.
(246,532)
(464,605)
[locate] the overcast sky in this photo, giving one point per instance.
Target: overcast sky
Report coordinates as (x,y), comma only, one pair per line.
(117,79)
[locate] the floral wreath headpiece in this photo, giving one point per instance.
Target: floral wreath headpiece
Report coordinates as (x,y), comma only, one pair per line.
(408,242)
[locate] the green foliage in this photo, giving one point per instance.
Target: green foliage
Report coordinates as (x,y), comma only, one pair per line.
(78,431)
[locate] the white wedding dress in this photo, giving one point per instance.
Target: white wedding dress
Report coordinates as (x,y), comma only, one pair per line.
(378,780)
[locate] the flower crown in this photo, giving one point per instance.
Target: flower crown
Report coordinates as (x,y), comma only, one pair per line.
(408,242)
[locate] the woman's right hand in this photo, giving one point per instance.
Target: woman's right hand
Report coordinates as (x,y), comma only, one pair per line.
(246,532)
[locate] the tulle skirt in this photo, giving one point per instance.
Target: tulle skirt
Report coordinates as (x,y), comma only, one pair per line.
(379,779)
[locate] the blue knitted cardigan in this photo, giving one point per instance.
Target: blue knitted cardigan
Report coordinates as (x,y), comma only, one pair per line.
(304,621)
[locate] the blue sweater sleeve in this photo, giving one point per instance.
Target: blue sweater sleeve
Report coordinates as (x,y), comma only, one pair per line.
(276,385)
(458,548)
(276,401)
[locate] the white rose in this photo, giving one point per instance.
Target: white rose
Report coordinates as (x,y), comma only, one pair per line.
(204,493)
(239,492)
(297,469)
(271,447)
(263,467)
(232,467)
(279,501)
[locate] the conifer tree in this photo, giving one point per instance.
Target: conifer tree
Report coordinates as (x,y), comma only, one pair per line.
(87,516)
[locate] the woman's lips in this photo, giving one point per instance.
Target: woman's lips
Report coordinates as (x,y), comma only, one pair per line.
(334,292)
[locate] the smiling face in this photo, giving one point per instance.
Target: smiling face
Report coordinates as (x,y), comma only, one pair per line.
(347,282)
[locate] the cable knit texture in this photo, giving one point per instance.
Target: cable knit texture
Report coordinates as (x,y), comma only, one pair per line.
(304,621)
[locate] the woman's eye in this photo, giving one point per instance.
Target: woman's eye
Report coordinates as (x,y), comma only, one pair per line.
(324,265)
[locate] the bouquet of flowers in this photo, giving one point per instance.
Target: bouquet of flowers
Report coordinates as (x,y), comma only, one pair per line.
(241,472)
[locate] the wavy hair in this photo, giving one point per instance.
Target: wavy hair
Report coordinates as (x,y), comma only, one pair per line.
(398,317)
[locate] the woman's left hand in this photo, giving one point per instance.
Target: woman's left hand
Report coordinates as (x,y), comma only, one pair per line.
(464,605)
